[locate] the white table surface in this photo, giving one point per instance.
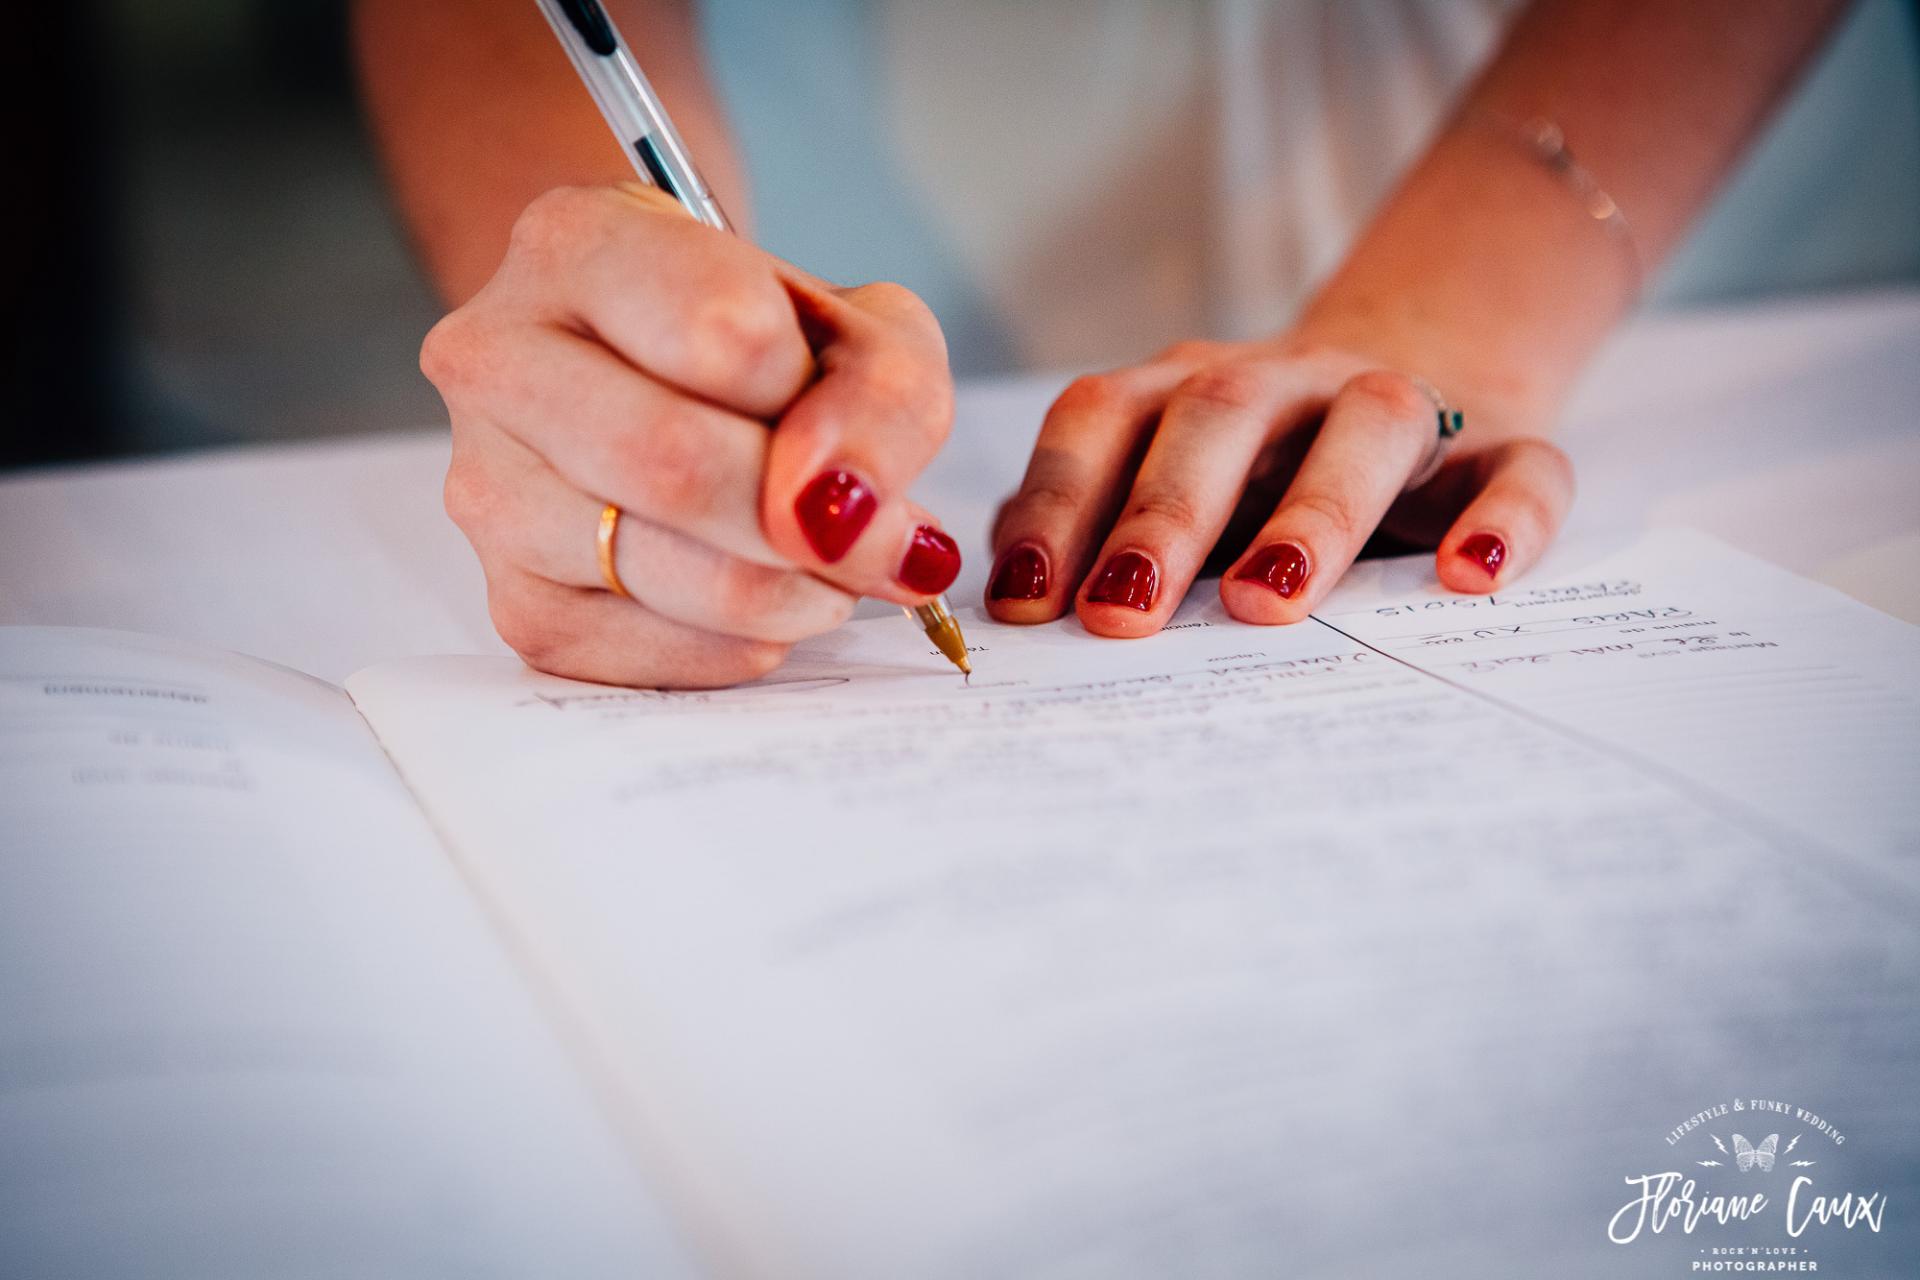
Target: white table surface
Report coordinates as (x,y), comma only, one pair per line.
(1791,430)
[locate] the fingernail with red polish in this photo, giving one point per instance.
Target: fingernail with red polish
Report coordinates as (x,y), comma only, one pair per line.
(1280,565)
(932,562)
(832,510)
(1128,579)
(1020,575)
(1485,550)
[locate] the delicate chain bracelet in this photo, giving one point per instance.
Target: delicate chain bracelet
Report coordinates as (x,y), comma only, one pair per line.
(1544,140)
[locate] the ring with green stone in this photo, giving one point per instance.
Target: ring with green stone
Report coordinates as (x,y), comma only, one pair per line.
(1450,420)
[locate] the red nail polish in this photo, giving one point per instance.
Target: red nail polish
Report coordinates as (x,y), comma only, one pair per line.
(1128,579)
(1020,575)
(1485,550)
(932,562)
(832,510)
(1280,565)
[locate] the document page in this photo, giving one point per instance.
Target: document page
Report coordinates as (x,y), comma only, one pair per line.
(251,1022)
(1779,699)
(1143,957)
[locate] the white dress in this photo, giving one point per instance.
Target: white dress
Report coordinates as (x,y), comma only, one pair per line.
(1074,183)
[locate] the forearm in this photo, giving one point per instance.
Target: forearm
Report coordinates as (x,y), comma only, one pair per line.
(1485,266)
(477,111)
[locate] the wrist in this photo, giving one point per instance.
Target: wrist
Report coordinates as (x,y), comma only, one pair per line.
(1501,296)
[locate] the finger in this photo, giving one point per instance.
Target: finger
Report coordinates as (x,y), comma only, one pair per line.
(622,437)
(585,634)
(1216,424)
(519,511)
(1378,431)
(692,305)
(843,457)
(1089,445)
(1526,494)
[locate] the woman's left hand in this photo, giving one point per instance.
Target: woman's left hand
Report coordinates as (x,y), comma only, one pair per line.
(1275,460)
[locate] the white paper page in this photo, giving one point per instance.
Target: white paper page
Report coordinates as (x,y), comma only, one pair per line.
(1784,698)
(1207,954)
(251,1022)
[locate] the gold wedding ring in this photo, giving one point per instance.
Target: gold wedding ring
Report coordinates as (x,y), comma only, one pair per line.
(609,530)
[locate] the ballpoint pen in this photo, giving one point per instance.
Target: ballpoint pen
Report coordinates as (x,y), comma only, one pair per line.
(639,122)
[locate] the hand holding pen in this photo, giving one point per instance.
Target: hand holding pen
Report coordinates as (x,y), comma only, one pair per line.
(625,355)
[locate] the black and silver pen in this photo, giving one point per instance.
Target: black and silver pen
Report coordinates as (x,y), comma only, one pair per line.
(639,121)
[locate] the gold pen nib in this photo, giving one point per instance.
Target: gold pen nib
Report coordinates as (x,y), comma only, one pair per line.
(936,619)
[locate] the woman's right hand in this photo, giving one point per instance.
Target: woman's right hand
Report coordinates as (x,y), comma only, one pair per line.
(626,354)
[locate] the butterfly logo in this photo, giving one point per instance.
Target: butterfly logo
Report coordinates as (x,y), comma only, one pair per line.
(1746,1155)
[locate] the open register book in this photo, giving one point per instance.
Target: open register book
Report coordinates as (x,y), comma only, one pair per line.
(1184,956)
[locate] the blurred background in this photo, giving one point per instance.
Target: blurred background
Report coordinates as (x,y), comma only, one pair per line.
(210,255)
(203,252)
